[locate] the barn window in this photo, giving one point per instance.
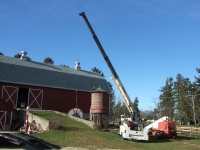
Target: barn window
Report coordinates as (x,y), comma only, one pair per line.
(22,98)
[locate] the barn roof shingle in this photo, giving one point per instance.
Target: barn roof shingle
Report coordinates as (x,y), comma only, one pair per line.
(14,70)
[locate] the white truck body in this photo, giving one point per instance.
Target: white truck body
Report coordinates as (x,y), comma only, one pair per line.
(135,133)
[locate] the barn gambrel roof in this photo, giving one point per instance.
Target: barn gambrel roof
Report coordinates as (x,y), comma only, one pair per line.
(14,70)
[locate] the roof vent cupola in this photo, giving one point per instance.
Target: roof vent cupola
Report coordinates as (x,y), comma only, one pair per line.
(77,66)
(23,55)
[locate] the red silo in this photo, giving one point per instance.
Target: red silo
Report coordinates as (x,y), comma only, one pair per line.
(99,111)
(97,101)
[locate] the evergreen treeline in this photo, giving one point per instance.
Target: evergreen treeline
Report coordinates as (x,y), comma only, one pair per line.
(180,99)
(120,109)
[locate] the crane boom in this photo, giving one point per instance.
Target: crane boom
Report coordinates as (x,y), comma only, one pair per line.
(115,77)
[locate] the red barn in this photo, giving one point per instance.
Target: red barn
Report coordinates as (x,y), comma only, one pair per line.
(45,86)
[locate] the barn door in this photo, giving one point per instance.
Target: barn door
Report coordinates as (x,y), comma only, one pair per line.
(2,119)
(35,97)
(10,95)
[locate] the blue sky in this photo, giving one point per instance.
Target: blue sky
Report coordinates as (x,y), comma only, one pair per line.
(146,40)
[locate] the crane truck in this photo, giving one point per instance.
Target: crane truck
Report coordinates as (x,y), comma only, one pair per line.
(129,129)
(115,77)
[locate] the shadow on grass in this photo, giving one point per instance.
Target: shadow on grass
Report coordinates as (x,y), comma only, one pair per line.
(182,137)
(179,138)
(154,140)
(61,128)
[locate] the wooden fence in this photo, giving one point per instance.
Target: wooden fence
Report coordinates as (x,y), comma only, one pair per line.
(191,130)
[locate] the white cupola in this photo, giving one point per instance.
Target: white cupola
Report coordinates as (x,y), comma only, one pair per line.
(23,55)
(77,66)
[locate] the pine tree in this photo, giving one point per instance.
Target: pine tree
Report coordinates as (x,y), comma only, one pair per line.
(136,111)
(112,99)
(196,98)
(17,55)
(167,102)
(48,60)
(94,69)
(182,88)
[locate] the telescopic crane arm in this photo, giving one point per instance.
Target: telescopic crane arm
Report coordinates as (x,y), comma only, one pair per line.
(115,77)
(99,45)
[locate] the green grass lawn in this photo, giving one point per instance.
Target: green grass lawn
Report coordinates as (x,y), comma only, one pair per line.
(76,134)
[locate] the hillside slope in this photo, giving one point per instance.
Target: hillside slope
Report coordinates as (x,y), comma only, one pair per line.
(76,134)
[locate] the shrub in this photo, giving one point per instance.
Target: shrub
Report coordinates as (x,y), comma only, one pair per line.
(97,126)
(54,123)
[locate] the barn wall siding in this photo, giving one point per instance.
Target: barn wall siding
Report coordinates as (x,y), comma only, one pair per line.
(3,118)
(35,98)
(9,95)
(65,100)
(59,99)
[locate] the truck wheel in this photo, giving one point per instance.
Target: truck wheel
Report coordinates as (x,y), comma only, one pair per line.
(157,135)
(174,136)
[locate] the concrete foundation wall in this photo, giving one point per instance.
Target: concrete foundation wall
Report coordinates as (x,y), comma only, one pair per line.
(89,123)
(86,116)
(43,122)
